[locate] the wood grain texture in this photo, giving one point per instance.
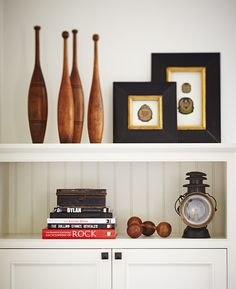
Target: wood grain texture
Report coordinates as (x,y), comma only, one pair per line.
(65,108)
(77,93)
(95,107)
(37,98)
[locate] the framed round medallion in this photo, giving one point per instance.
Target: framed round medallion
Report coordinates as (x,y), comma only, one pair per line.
(197,76)
(186,87)
(185,105)
(144,112)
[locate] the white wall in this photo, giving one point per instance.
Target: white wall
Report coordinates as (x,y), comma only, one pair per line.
(1,63)
(130,31)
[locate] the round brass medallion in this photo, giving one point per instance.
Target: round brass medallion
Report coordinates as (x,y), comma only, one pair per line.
(145,113)
(186,87)
(185,105)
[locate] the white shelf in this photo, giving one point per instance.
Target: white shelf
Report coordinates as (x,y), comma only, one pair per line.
(114,152)
(108,153)
(20,241)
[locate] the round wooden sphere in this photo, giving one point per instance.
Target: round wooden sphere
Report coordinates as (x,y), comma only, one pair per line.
(95,37)
(134,220)
(65,34)
(164,229)
(148,228)
(134,231)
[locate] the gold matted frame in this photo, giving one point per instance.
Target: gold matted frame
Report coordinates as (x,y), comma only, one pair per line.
(204,128)
(201,98)
(144,99)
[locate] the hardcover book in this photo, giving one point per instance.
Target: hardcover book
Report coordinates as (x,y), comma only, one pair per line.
(81,215)
(81,197)
(81,210)
(81,221)
(78,233)
(81,226)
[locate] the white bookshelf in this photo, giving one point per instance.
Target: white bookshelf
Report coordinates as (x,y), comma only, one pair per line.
(141,179)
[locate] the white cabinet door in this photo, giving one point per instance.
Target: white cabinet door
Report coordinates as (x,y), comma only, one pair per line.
(54,269)
(170,269)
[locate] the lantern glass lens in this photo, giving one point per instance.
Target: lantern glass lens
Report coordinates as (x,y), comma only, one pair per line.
(197,210)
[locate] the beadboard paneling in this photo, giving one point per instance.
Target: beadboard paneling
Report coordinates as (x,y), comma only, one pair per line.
(148,190)
(171,193)
(40,193)
(139,189)
(73,175)
(89,175)
(23,198)
(4,199)
(56,181)
(123,194)
(219,192)
(106,179)
(155,191)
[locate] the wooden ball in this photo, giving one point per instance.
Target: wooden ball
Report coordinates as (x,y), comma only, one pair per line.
(134,220)
(164,229)
(65,34)
(95,37)
(134,231)
(148,228)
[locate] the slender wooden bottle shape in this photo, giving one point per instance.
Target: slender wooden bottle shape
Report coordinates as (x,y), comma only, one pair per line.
(65,107)
(95,107)
(77,93)
(37,98)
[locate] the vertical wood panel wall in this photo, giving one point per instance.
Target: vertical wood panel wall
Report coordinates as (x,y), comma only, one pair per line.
(4,198)
(148,190)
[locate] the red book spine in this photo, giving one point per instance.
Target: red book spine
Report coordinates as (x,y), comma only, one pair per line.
(78,234)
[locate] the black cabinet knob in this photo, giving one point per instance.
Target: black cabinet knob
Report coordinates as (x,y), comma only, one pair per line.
(104,255)
(118,255)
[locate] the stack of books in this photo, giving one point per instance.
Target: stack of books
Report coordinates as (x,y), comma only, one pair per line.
(80,214)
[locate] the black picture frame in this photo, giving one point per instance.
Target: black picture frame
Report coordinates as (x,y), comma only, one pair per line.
(121,131)
(211,132)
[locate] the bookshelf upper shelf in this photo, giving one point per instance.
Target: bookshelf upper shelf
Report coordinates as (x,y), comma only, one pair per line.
(115,152)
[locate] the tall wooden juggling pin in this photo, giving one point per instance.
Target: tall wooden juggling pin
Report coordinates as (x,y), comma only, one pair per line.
(37,98)
(95,107)
(77,93)
(65,107)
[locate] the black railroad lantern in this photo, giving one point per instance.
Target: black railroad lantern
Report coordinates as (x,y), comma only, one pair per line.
(196,207)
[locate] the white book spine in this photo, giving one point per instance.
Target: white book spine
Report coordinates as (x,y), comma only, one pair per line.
(81,221)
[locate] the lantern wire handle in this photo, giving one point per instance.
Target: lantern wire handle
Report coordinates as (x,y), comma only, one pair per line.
(178,202)
(210,196)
